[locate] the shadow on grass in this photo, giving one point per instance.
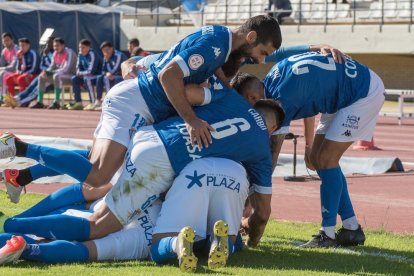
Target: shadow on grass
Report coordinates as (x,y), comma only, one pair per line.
(277,256)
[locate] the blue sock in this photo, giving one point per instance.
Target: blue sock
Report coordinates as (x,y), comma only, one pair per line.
(7,236)
(62,161)
(162,251)
(231,247)
(345,205)
(54,227)
(238,245)
(330,190)
(57,252)
(69,195)
(37,171)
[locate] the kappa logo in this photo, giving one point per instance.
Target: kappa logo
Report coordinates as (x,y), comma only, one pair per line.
(324,210)
(41,161)
(217,51)
(347,133)
(195,61)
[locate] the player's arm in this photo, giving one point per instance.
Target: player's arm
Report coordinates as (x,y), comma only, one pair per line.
(220,75)
(309,127)
(276,142)
(257,221)
(326,49)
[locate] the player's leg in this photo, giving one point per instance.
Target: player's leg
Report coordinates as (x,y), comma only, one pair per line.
(29,94)
(76,87)
(228,192)
(10,80)
(89,83)
(24,80)
(100,83)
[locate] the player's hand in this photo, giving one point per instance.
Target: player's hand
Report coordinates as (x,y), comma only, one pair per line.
(337,55)
(199,131)
(244,226)
(308,161)
(130,70)
(43,75)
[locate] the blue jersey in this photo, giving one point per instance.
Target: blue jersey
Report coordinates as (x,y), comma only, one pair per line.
(312,83)
(89,64)
(28,63)
(113,65)
(45,61)
(199,55)
(240,135)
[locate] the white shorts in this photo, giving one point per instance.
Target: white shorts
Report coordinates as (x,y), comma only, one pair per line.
(206,190)
(357,121)
(123,112)
(147,173)
(132,242)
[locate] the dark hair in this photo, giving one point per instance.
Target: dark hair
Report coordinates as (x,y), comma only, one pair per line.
(49,45)
(24,40)
(85,42)
(134,41)
(267,30)
(6,34)
(59,40)
(106,44)
(242,80)
(137,51)
(270,105)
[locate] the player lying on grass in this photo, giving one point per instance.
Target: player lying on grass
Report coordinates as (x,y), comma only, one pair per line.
(158,153)
(206,199)
(131,243)
(349,96)
(160,94)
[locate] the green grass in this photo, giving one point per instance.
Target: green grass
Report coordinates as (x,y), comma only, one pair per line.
(383,254)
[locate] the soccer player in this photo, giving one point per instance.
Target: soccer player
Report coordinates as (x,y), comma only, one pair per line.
(31,92)
(60,72)
(88,67)
(27,67)
(206,199)
(131,243)
(349,96)
(127,107)
(132,44)
(111,72)
(8,60)
(158,153)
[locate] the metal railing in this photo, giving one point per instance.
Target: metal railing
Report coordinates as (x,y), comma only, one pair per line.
(303,13)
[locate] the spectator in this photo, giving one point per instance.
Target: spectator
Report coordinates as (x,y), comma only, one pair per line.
(87,69)
(7,60)
(60,72)
(27,67)
(280,5)
(138,51)
(31,92)
(111,71)
(132,43)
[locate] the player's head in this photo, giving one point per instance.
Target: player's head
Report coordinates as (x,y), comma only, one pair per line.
(132,43)
(24,44)
(137,51)
(84,47)
(249,86)
(7,40)
(49,45)
(58,45)
(107,49)
(272,112)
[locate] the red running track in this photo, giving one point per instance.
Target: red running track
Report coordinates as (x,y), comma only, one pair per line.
(381,202)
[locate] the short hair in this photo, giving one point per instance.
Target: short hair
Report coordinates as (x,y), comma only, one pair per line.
(6,34)
(242,80)
(267,29)
(85,42)
(270,105)
(24,40)
(134,41)
(106,44)
(137,51)
(59,40)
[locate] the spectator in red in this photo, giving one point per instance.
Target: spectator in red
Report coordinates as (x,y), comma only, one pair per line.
(27,67)
(7,60)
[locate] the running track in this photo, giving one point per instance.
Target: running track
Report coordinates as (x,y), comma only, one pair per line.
(381,202)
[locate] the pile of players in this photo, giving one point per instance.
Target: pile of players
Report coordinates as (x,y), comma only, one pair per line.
(183,144)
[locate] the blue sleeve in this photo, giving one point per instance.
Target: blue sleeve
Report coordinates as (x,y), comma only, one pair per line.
(203,56)
(136,58)
(260,174)
(286,52)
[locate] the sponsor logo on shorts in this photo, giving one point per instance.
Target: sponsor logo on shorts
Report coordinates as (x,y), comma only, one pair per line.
(146,224)
(347,133)
(352,122)
(195,61)
(213,180)
(129,166)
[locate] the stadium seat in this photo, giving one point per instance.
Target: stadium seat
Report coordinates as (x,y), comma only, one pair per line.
(209,14)
(390,10)
(376,10)
(332,11)
(220,16)
(233,13)
(318,12)
(403,10)
(342,10)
